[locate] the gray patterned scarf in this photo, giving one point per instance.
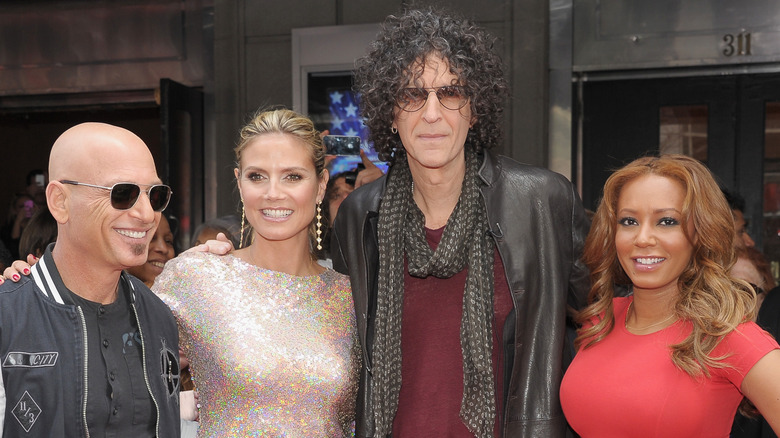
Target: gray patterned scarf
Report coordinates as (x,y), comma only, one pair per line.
(465,243)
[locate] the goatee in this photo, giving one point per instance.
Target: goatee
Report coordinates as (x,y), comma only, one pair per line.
(139,249)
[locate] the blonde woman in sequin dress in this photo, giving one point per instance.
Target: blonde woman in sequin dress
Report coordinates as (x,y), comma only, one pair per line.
(270,334)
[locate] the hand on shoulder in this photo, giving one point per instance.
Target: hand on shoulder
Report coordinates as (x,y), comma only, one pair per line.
(18,268)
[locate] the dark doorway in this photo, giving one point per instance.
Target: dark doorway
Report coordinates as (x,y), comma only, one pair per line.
(181,125)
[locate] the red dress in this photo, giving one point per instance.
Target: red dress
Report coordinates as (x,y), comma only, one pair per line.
(627,386)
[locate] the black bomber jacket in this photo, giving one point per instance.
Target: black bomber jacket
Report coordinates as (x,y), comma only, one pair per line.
(539,226)
(43,391)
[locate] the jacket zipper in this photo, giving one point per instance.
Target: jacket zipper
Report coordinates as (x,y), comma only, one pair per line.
(146,375)
(86,373)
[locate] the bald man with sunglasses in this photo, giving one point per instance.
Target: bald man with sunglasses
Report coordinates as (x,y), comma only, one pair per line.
(87,349)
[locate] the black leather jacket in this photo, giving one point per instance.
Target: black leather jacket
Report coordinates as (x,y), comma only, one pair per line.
(539,227)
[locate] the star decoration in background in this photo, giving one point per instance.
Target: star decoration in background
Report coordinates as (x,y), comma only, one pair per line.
(345,119)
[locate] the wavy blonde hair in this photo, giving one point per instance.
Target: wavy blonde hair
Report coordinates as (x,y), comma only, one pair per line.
(714,302)
(285,121)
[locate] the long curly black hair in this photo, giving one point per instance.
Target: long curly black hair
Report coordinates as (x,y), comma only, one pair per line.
(394,60)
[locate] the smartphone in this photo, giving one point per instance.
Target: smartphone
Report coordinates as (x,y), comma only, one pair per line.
(342,144)
(39,179)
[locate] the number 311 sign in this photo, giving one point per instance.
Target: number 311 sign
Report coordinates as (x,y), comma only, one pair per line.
(737,45)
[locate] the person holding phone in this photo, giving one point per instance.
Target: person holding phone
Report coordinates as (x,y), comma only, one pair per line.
(340,185)
(20,211)
(36,185)
(365,171)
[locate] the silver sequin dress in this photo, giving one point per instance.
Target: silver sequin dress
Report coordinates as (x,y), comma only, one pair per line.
(271,354)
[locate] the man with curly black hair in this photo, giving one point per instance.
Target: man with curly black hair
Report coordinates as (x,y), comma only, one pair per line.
(462,262)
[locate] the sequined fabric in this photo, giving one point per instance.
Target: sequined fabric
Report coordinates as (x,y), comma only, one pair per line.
(271,354)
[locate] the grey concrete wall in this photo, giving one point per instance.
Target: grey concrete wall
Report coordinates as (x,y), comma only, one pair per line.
(71,47)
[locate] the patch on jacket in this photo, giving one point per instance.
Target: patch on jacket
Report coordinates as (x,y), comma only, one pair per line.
(26,411)
(20,359)
(169,369)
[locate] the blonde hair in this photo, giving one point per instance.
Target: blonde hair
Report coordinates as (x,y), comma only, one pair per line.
(714,302)
(285,121)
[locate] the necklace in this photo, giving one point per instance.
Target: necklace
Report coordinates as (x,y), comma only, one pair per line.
(639,329)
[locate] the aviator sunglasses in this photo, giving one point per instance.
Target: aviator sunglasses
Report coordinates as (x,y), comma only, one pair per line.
(124,195)
(452,97)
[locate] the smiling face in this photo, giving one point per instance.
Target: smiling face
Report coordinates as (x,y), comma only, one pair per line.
(650,241)
(434,136)
(280,187)
(160,251)
(104,155)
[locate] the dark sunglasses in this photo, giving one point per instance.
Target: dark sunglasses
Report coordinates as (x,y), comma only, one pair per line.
(452,97)
(124,195)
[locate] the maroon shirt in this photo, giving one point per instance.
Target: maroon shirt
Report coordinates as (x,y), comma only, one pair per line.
(432,360)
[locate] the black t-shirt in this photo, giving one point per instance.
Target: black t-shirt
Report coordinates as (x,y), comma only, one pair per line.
(118,401)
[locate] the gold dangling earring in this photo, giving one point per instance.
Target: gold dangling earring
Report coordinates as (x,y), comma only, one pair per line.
(241,241)
(319,225)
